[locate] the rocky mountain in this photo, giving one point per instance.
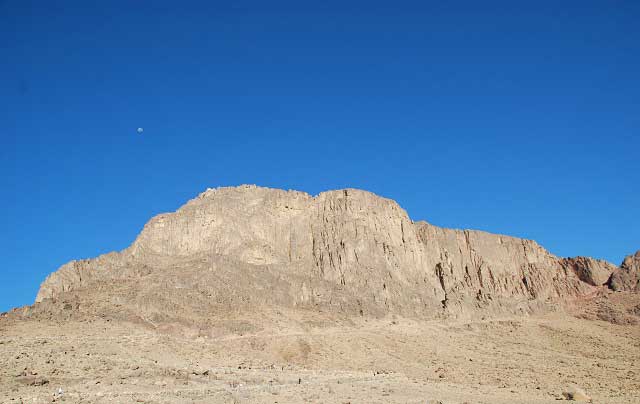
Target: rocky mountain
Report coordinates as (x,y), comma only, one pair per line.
(627,277)
(346,251)
(592,271)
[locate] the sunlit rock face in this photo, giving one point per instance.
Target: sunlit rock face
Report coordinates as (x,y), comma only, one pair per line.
(347,251)
(627,277)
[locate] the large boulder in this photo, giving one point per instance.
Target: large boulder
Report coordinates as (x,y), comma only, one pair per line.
(590,270)
(627,277)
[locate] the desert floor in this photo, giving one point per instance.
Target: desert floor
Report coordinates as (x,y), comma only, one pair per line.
(316,359)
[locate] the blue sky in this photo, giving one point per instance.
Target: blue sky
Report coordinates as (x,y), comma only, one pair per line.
(513,118)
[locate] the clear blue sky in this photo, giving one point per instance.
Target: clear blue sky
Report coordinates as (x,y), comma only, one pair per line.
(511,118)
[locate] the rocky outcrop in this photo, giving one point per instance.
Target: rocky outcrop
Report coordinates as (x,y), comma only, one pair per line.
(590,270)
(627,277)
(80,273)
(349,251)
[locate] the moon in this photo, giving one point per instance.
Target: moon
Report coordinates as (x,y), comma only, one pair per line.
(140,130)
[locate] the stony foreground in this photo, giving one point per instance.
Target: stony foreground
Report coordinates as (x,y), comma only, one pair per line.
(320,359)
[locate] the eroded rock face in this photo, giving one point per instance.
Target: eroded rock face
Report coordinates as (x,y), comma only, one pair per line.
(627,277)
(347,250)
(590,270)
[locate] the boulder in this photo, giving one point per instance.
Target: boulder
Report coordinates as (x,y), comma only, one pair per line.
(627,277)
(576,394)
(590,270)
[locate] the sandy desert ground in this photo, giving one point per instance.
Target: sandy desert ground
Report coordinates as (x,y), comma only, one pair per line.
(316,358)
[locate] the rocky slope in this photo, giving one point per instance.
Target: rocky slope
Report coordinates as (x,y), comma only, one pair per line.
(346,251)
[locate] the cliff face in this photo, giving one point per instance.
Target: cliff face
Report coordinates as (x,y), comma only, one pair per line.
(347,250)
